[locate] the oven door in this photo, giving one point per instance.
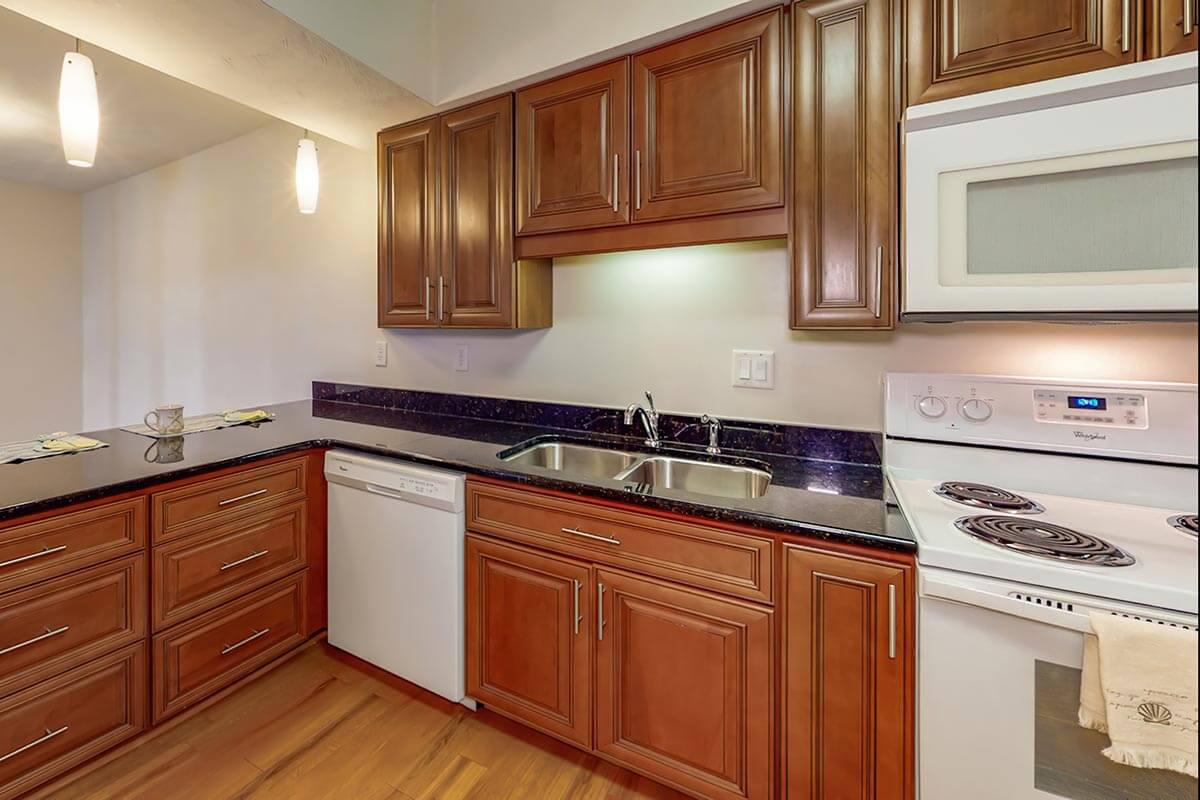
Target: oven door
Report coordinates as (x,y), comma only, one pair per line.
(1053,206)
(998,698)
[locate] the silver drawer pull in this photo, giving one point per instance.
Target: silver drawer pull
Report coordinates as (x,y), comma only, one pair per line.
(586,535)
(1126,27)
(45,551)
(40,740)
(891,620)
(241,497)
(616,187)
(49,634)
(578,616)
(600,611)
(240,561)
(229,648)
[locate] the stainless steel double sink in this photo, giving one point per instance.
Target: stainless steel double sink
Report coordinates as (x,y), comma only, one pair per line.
(654,470)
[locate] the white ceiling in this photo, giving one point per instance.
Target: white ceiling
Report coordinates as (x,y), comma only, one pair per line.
(146,118)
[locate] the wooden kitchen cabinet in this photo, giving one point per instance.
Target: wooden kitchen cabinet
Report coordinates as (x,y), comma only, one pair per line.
(684,686)
(848,667)
(573,151)
(708,122)
(1171,27)
(529,637)
(408,224)
(844,164)
(958,47)
(445,226)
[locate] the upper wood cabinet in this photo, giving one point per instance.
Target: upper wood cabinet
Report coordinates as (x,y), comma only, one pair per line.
(573,151)
(958,47)
(844,164)
(445,226)
(684,686)
(1171,27)
(848,674)
(708,122)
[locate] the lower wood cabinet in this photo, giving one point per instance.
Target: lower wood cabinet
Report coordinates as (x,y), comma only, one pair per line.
(684,686)
(62,722)
(847,676)
(529,637)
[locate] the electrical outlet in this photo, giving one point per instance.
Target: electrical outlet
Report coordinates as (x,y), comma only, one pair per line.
(462,358)
(381,353)
(754,369)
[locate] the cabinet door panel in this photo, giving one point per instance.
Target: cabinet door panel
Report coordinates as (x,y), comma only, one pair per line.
(844,165)
(708,122)
(683,686)
(958,47)
(573,151)
(1171,27)
(847,677)
(476,179)
(528,629)
(407,224)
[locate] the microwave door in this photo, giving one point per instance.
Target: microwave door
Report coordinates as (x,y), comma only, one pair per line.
(1084,211)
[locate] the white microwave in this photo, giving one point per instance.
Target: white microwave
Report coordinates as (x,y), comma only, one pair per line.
(1073,198)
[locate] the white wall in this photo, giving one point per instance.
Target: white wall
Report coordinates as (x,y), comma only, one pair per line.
(206,286)
(40,345)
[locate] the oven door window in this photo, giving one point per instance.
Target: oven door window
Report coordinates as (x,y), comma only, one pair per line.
(1099,219)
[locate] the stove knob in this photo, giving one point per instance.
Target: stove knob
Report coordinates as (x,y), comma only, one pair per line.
(976,410)
(931,407)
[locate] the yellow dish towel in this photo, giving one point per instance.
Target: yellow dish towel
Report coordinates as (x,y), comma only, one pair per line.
(62,442)
(257,415)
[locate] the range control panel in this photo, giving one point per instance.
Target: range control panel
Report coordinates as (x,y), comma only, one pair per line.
(1151,421)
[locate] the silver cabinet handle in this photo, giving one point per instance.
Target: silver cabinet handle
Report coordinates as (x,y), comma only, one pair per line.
(441,292)
(241,497)
(45,551)
(229,648)
(878,281)
(49,634)
(428,289)
(1126,31)
(578,617)
(637,178)
(586,535)
(40,740)
(891,620)
(616,171)
(1189,16)
(600,611)
(240,561)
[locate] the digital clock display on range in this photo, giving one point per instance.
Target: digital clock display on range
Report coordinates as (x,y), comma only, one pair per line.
(1087,403)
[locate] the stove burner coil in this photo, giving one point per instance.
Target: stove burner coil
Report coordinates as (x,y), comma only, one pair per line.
(987,497)
(1044,540)
(1186,523)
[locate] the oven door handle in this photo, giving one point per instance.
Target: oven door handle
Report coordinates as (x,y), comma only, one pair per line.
(941,588)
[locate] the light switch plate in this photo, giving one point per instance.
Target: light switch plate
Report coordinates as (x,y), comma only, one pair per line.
(754,369)
(381,353)
(462,358)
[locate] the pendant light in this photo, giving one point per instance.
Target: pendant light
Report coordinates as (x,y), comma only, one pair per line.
(78,109)
(308,175)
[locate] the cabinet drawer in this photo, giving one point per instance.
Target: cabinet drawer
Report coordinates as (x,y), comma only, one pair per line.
(71,540)
(199,657)
(63,623)
(200,572)
(60,723)
(734,563)
(212,502)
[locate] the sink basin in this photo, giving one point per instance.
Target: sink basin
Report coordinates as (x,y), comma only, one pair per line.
(597,462)
(701,477)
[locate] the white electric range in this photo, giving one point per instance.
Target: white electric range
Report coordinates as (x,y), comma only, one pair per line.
(1035,502)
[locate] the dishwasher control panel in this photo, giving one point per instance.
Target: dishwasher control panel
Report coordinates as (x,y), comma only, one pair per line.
(396,479)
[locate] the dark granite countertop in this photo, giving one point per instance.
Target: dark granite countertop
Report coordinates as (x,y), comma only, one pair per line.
(809,497)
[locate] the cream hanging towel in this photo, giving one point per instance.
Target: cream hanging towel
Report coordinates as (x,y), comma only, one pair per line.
(1139,687)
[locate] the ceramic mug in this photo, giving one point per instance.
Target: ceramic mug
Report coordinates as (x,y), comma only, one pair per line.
(167,450)
(167,419)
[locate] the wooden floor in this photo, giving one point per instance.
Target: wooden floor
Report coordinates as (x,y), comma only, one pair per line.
(317,728)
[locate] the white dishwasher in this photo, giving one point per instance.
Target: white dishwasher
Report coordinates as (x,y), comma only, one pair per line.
(396,570)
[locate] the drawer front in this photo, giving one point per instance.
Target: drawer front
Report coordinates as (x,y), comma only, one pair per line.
(52,727)
(201,572)
(734,563)
(177,512)
(71,540)
(202,656)
(65,622)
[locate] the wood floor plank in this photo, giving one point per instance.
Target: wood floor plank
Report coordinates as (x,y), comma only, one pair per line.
(318,729)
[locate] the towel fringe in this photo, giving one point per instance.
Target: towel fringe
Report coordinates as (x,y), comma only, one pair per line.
(1096,722)
(1150,758)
